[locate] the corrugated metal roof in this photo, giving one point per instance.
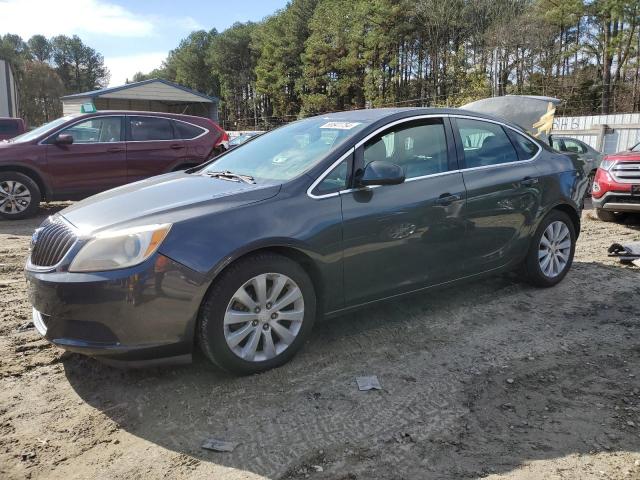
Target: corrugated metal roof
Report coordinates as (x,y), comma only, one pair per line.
(104,91)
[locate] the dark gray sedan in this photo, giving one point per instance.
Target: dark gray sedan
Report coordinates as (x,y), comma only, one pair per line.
(327,214)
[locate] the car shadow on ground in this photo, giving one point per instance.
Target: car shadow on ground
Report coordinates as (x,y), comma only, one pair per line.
(476,380)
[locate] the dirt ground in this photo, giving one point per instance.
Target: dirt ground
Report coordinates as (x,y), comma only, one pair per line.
(493,379)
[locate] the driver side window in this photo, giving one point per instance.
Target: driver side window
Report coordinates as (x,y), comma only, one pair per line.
(418,147)
(96,130)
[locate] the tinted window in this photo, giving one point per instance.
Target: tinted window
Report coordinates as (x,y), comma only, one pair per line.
(8,127)
(96,130)
(187,131)
(525,148)
(485,143)
(573,146)
(150,128)
(420,148)
(335,181)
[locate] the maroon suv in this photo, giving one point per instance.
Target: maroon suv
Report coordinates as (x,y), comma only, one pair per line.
(80,155)
(11,127)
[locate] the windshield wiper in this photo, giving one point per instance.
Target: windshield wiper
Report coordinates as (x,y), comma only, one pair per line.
(234,177)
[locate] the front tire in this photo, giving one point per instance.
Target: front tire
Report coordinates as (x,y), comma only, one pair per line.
(551,252)
(606,215)
(258,314)
(19,196)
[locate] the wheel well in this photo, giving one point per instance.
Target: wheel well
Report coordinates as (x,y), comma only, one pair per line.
(573,215)
(31,174)
(297,256)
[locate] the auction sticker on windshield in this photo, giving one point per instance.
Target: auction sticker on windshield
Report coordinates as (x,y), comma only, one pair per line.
(340,125)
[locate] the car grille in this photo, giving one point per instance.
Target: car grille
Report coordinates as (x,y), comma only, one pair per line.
(51,242)
(626,172)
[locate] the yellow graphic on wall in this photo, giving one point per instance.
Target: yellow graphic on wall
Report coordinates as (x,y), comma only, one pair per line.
(545,124)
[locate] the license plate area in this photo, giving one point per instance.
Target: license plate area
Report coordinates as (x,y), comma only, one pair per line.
(635,190)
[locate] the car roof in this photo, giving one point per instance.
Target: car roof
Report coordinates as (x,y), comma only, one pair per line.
(377,114)
(137,112)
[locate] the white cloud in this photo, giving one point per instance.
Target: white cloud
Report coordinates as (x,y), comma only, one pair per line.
(126,66)
(54,17)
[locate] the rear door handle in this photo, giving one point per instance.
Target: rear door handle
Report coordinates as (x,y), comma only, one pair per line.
(447,199)
(115,149)
(528,181)
(177,146)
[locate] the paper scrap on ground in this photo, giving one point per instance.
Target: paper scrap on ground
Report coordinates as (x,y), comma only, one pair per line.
(368,383)
(218,445)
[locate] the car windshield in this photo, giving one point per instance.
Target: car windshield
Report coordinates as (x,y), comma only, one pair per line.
(288,151)
(36,132)
(239,139)
(636,148)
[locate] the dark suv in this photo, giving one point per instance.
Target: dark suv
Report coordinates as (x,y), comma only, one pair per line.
(80,155)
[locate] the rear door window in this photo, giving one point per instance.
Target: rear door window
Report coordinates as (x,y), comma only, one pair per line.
(485,143)
(147,129)
(187,131)
(525,148)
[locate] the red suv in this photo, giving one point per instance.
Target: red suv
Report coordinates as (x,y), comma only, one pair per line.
(616,188)
(11,127)
(80,155)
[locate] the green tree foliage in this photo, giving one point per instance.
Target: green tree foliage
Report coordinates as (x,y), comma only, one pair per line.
(280,42)
(47,69)
(232,59)
(316,56)
(41,89)
(79,66)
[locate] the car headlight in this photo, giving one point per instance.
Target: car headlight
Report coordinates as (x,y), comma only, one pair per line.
(607,164)
(119,248)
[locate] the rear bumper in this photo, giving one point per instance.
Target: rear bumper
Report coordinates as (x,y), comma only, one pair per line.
(617,202)
(144,314)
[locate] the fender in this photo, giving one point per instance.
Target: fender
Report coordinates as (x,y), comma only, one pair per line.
(38,176)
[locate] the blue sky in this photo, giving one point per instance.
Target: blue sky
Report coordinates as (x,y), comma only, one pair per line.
(132,35)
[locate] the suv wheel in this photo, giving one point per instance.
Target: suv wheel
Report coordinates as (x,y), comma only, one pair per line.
(19,196)
(551,252)
(258,314)
(606,215)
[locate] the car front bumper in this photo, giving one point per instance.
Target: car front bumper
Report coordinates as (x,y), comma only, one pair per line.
(617,202)
(139,315)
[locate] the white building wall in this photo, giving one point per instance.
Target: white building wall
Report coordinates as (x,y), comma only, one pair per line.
(73,105)
(622,130)
(8,91)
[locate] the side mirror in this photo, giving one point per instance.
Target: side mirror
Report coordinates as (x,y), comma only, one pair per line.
(63,139)
(380,172)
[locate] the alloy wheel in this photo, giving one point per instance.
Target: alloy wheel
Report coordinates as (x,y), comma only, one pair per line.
(554,249)
(15,197)
(264,317)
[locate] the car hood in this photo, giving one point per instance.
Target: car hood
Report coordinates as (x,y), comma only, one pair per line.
(624,156)
(167,198)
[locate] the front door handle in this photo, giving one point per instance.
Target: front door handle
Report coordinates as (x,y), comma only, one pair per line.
(528,181)
(177,146)
(115,149)
(447,199)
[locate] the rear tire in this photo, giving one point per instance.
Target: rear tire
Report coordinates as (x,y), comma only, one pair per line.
(234,309)
(551,252)
(606,215)
(19,196)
